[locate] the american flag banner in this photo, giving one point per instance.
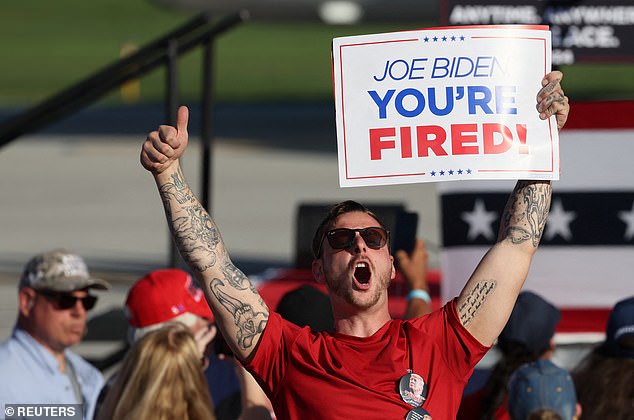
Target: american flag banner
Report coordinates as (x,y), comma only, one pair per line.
(586,255)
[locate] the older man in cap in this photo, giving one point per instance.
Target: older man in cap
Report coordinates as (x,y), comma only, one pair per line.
(36,364)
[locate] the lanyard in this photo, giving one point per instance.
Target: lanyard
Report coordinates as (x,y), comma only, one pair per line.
(412,387)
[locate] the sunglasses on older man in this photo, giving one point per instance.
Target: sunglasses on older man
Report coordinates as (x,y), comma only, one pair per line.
(342,238)
(65,301)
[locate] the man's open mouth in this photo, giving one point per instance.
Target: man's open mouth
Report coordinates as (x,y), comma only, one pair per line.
(362,273)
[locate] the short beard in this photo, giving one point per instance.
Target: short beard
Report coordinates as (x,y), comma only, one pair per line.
(347,294)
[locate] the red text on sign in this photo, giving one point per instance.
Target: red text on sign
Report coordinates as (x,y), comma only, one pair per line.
(460,139)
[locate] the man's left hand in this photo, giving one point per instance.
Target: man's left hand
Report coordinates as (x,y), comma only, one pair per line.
(551,99)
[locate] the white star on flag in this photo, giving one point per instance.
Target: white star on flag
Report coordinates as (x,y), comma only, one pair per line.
(628,218)
(559,221)
(479,220)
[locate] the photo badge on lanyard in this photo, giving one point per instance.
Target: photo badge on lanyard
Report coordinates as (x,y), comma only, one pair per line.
(413,390)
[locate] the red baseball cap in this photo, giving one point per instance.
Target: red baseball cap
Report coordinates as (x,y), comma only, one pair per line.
(162,295)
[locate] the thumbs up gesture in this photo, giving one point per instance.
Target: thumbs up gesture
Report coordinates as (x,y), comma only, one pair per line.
(166,145)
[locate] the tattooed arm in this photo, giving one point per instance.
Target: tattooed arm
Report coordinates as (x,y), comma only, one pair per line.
(487,299)
(239,311)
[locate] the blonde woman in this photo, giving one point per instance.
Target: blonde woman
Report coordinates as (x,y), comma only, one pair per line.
(161,379)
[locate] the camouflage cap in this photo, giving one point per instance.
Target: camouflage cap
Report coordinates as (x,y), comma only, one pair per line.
(61,271)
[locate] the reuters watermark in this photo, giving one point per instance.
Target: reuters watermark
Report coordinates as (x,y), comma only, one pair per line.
(43,411)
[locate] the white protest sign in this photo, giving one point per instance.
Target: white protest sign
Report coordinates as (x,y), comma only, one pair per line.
(443,104)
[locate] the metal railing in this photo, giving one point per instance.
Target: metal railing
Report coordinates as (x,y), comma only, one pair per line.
(165,51)
(161,52)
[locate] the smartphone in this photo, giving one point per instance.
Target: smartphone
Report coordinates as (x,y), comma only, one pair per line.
(405,230)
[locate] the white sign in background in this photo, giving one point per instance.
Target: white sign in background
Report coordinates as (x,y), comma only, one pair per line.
(443,104)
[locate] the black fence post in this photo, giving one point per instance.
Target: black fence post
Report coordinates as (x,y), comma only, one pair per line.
(171,79)
(207,124)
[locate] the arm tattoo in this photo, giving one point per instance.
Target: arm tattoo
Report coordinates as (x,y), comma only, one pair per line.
(249,322)
(239,281)
(474,300)
(199,242)
(178,188)
(195,233)
(526,212)
(236,278)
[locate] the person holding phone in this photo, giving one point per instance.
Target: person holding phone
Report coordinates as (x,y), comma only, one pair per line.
(355,371)
(413,266)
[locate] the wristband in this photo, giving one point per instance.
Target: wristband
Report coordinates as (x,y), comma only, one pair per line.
(419,294)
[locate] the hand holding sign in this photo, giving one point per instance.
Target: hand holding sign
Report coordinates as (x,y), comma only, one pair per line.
(551,99)
(446,104)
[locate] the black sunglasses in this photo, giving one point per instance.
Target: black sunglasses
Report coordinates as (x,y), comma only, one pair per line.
(342,238)
(65,301)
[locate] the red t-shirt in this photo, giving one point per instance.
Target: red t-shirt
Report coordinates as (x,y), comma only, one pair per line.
(336,376)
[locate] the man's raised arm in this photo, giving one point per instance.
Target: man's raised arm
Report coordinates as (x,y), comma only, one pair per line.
(240,312)
(487,299)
